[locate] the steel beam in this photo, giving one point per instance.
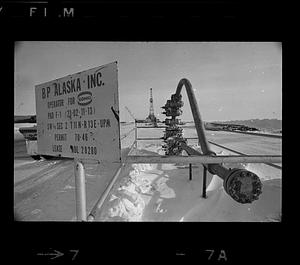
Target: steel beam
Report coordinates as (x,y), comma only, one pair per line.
(231,150)
(99,203)
(256,134)
(145,127)
(150,138)
(203,159)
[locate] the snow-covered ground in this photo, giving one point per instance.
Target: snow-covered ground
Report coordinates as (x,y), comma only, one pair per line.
(44,190)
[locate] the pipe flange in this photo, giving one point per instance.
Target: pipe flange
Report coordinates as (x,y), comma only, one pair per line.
(243,186)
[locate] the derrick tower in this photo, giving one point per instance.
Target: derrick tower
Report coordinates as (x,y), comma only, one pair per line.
(151,117)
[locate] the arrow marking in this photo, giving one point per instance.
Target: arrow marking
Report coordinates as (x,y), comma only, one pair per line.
(56,254)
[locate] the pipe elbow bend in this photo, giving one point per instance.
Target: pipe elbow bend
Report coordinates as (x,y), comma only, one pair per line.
(184,81)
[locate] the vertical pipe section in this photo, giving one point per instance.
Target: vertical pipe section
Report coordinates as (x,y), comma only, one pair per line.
(135,134)
(80,191)
(190,172)
(204,182)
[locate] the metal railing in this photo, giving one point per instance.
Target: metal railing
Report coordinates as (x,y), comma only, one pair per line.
(203,159)
(210,161)
(193,159)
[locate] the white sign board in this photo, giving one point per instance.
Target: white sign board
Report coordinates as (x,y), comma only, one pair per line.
(78,115)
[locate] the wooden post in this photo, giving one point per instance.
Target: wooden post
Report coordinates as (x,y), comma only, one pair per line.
(80,191)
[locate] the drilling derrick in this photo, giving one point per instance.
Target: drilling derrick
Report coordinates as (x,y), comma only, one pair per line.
(151,117)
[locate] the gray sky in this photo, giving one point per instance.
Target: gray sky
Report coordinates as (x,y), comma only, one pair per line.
(237,80)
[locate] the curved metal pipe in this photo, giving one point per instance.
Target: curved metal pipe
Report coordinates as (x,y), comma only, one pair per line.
(212,168)
(242,185)
(196,115)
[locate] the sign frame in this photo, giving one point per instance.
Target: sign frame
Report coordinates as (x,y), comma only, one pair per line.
(78,115)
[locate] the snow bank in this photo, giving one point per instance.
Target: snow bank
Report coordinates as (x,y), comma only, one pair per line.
(219,207)
(154,192)
(128,201)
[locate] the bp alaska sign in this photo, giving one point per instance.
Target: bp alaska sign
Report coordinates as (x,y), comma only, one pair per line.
(78,115)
